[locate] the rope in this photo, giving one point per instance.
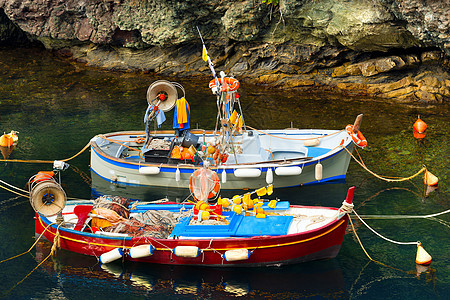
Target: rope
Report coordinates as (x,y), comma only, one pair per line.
(47,161)
(362,247)
(385,238)
(397,179)
(14,192)
(23,279)
(286,138)
(404,217)
(10,185)
(32,246)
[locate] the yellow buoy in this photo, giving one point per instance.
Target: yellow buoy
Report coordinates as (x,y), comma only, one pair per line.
(225,202)
(203,215)
(270,189)
(422,256)
(261,191)
(260,216)
(237,209)
(430,179)
(272,203)
(247,201)
(237,199)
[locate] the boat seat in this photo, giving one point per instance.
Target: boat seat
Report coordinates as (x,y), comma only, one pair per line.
(82,212)
(317,151)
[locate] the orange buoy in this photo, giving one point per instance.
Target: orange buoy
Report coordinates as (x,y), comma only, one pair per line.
(230,84)
(419,128)
(9,139)
(430,179)
(422,256)
(358,138)
(43,175)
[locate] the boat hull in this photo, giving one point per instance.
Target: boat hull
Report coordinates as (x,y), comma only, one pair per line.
(320,243)
(237,176)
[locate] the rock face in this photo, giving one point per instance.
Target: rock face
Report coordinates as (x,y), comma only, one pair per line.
(381,48)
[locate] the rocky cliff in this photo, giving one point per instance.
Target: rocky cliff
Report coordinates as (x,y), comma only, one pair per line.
(392,49)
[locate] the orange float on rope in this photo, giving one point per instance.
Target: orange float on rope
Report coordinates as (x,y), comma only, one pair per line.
(232,83)
(430,179)
(422,256)
(204,184)
(419,128)
(358,138)
(9,139)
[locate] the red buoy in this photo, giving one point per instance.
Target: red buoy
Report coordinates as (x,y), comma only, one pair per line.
(419,128)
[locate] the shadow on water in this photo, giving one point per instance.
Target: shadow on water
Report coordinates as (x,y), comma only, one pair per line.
(318,279)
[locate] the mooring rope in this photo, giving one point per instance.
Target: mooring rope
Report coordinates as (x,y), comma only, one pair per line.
(386,178)
(383,237)
(46,161)
(32,246)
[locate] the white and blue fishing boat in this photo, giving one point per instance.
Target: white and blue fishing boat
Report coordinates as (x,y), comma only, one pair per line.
(243,157)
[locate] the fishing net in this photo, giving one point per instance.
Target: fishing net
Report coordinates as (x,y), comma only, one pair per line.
(204,184)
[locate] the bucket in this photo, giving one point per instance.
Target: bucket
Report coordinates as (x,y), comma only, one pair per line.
(189,139)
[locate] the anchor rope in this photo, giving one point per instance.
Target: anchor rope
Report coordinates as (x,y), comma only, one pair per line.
(386,178)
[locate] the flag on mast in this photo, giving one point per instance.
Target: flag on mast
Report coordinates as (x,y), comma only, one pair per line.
(204,54)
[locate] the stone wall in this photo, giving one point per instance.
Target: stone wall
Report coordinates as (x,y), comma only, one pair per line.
(382,48)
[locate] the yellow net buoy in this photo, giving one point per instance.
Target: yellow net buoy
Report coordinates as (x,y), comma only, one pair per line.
(247,201)
(237,199)
(261,192)
(269,190)
(237,209)
(422,256)
(272,203)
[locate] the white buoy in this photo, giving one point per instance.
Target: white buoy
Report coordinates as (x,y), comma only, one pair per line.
(318,172)
(311,143)
(149,170)
(288,171)
(110,256)
(246,173)
(236,254)
(177,175)
(141,251)
(269,176)
(224,176)
(187,251)
(422,256)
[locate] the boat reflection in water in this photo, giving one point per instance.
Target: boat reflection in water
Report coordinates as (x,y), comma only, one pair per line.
(319,278)
(102,187)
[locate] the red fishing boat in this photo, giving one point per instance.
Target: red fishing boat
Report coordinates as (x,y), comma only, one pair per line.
(233,232)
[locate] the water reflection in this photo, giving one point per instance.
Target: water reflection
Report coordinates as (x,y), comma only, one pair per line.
(321,278)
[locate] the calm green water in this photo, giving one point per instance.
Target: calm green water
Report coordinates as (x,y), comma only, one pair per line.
(58,106)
